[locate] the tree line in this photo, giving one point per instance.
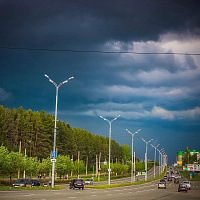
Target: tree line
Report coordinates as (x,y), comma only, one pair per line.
(34,131)
(11,163)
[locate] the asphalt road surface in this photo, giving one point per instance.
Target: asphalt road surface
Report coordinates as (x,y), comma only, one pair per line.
(147,191)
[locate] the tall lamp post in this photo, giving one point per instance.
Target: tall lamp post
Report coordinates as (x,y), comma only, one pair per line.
(159,159)
(109,144)
(146,156)
(133,177)
(155,159)
(54,146)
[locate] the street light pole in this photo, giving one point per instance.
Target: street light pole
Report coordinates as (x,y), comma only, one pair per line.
(109,144)
(155,159)
(159,159)
(54,146)
(146,156)
(133,177)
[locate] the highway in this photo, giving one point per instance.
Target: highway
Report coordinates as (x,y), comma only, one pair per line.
(147,191)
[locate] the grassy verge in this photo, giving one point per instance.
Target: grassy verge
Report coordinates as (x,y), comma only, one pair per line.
(126,184)
(187,175)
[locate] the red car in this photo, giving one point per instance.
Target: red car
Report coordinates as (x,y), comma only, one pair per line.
(182,187)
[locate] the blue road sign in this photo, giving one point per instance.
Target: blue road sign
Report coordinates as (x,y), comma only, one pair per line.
(53,154)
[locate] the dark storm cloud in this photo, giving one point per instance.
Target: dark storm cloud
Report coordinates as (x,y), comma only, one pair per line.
(82,23)
(105,84)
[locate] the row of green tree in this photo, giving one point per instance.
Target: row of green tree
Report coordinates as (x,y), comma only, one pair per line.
(34,131)
(12,162)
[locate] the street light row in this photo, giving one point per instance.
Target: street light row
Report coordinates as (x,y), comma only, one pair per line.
(109,170)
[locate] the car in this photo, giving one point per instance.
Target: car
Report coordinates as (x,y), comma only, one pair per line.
(89,182)
(35,182)
(182,187)
(76,183)
(162,184)
(19,183)
(169,178)
(22,182)
(165,177)
(188,184)
(176,180)
(179,176)
(173,175)
(47,183)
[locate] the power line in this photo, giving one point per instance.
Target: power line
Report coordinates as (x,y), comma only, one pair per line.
(101,52)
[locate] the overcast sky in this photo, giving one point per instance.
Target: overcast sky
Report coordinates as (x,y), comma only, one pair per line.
(157,93)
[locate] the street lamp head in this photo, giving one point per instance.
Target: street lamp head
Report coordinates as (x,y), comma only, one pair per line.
(46,76)
(116,117)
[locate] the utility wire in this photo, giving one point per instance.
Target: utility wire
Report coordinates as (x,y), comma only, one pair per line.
(102,52)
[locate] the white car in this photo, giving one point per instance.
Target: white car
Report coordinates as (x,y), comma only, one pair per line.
(188,184)
(89,182)
(162,184)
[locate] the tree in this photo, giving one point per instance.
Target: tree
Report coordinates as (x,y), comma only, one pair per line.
(45,166)
(12,163)
(3,154)
(79,167)
(126,151)
(64,165)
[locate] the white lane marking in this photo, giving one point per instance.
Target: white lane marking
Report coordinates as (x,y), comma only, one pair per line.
(27,195)
(109,194)
(120,193)
(71,197)
(94,195)
(130,192)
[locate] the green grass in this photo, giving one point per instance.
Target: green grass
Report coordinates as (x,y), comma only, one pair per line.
(187,175)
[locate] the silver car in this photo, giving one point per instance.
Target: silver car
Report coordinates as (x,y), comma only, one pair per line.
(89,182)
(188,184)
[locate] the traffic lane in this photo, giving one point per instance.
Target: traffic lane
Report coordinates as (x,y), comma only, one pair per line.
(144,191)
(78,194)
(150,174)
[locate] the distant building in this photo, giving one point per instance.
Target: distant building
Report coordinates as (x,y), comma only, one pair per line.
(180,154)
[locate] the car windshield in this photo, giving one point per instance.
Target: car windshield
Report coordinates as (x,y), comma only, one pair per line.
(186,182)
(20,181)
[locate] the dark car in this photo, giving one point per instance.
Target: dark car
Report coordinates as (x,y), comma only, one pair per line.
(76,183)
(165,177)
(35,182)
(22,182)
(169,178)
(176,180)
(182,187)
